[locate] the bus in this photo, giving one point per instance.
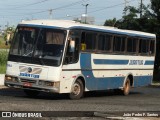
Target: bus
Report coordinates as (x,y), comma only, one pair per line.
(62,56)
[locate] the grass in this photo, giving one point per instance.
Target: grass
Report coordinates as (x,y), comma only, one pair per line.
(3,55)
(3,60)
(2,44)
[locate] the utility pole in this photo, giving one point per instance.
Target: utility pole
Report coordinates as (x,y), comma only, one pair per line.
(141,8)
(125,6)
(50,13)
(85,12)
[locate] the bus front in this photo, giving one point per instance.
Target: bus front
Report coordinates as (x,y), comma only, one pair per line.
(35,59)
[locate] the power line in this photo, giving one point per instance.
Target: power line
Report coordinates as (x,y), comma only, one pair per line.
(62,7)
(30,4)
(112,6)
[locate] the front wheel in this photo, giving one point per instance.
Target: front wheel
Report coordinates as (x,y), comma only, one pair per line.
(77,90)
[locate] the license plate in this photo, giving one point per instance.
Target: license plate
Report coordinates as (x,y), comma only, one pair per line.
(27,84)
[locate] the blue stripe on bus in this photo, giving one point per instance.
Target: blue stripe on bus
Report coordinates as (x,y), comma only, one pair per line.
(110,61)
(93,83)
(149,62)
(103,83)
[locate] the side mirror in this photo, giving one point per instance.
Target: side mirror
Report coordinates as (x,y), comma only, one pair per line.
(72,46)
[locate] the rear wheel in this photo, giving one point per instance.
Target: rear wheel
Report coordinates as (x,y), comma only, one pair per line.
(31,93)
(77,90)
(126,87)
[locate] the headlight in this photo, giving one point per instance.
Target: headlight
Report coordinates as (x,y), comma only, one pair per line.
(12,79)
(47,83)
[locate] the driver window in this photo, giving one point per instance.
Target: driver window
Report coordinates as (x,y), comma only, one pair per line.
(73,55)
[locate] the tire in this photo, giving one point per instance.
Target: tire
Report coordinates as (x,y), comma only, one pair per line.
(31,93)
(77,91)
(126,87)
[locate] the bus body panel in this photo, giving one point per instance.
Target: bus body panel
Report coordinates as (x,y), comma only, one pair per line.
(100,71)
(100,75)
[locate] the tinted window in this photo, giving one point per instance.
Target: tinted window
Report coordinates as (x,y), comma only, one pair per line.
(152,47)
(143,46)
(104,42)
(101,42)
(131,44)
(90,41)
(119,43)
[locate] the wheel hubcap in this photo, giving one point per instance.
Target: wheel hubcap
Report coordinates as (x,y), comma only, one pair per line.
(76,89)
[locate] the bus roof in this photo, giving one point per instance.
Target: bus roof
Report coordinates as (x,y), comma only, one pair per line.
(67,24)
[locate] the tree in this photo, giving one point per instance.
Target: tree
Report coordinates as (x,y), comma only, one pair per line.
(155,6)
(110,22)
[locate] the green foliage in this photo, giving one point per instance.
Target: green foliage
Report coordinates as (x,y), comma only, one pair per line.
(110,22)
(3,60)
(155,6)
(2,44)
(131,20)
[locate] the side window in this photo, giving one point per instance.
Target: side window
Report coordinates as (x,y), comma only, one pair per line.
(104,42)
(88,41)
(131,45)
(108,42)
(101,42)
(152,47)
(72,53)
(119,43)
(144,46)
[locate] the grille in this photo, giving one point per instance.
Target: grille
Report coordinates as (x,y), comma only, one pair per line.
(28,81)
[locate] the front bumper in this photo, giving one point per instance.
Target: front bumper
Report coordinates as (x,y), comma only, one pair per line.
(31,84)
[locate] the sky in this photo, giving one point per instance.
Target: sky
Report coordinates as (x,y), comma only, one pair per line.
(14,11)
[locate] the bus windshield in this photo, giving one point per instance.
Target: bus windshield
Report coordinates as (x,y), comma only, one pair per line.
(41,45)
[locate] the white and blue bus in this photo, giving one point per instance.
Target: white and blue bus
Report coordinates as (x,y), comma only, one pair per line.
(69,57)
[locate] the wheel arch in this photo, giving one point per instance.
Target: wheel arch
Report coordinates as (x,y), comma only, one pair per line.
(131,78)
(81,77)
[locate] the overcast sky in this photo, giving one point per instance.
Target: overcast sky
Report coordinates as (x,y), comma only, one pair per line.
(13,11)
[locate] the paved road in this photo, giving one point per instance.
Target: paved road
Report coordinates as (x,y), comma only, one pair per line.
(140,99)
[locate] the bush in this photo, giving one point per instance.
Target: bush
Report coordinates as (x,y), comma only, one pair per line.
(3,60)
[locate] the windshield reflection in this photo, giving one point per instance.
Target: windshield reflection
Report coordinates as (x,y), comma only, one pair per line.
(39,44)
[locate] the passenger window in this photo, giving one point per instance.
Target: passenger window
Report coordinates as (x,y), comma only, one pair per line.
(104,42)
(144,46)
(88,41)
(101,42)
(119,43)
(108,42)
(131,45)
(152,47)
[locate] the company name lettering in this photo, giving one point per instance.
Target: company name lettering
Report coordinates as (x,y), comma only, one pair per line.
(136,62)
(29,75)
